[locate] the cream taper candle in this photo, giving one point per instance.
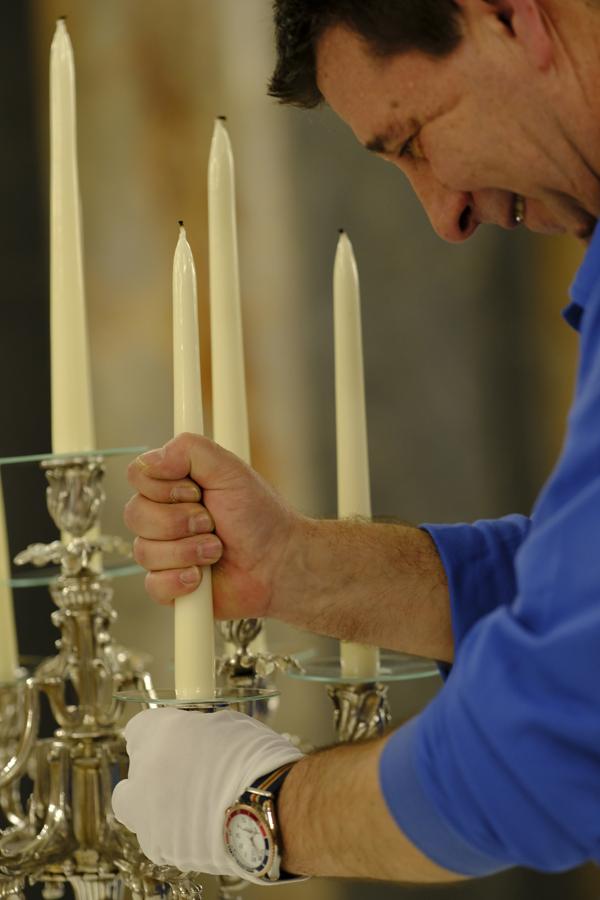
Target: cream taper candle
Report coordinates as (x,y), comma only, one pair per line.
(9,659)
(230,413)
(354,493)
(230,410)
(194,625)
(72,412)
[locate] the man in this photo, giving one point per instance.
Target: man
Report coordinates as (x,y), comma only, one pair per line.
(492,110)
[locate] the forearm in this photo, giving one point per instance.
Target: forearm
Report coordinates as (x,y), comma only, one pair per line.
(334,821)
(379,584)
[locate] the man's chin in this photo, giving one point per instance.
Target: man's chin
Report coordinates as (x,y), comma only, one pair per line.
(560,218)
(585,233)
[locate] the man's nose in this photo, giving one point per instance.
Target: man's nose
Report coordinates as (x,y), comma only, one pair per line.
(451,213)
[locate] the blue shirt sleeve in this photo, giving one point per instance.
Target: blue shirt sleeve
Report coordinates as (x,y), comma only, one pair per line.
(479,563)
(503,767)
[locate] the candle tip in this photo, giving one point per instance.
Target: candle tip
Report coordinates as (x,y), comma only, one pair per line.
(62,19)
(341,231)
(180,223)
(222,118)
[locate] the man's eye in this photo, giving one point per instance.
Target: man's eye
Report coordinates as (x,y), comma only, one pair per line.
(405,149)
(410,149)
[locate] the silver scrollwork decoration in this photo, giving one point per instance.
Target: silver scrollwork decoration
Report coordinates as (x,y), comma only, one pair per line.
(240,664)
(75,493)
(360,711)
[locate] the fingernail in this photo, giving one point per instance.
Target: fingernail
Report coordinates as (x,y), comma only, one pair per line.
(187,492)
(151,458)
(200,523)
(189,576)
(209,549)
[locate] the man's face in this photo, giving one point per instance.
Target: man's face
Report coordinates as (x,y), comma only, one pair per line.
(476,133)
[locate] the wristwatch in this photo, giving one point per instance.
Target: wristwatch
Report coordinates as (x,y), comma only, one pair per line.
(251,833)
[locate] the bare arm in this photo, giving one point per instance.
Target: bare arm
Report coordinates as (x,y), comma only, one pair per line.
(380,584)
(335,822)
(361,581)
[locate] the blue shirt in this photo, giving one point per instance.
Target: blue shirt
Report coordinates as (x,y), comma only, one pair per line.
(503,767)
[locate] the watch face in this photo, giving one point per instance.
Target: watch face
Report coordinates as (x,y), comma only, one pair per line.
(248,839)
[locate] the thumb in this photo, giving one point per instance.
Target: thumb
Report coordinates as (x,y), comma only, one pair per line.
(122,804)
(186,455)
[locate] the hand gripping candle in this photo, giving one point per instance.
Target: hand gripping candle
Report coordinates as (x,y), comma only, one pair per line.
(353,484)
(194,624)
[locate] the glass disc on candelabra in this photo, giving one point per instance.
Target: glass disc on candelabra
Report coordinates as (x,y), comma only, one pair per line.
(80,454)
(225,697)
(26,484)
(49,574)
(392,667)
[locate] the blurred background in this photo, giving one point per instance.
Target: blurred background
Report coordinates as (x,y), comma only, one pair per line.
(469,367)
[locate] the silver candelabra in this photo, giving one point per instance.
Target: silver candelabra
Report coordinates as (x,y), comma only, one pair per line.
(67,832)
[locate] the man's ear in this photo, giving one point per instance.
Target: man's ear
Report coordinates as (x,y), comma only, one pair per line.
(523,20)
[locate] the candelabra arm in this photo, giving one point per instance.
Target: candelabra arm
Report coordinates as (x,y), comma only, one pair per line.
(15,766)
(12,807)
(19,851)
(66,716)
(143,682)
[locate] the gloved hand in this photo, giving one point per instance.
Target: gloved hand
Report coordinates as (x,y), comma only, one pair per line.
(185,769)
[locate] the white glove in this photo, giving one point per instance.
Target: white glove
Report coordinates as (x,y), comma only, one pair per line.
(185,769)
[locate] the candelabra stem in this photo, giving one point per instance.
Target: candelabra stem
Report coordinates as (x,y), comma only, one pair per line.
(96,889)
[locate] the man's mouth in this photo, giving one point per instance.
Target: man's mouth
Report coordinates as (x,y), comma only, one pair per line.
(518,210)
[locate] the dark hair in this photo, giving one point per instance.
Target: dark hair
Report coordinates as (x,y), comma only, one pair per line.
(387,26)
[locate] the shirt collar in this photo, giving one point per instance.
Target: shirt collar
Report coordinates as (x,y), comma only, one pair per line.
(587,277)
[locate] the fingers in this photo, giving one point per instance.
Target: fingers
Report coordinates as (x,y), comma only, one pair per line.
(173,530)
(203,550)
(164,587)
(166,521)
